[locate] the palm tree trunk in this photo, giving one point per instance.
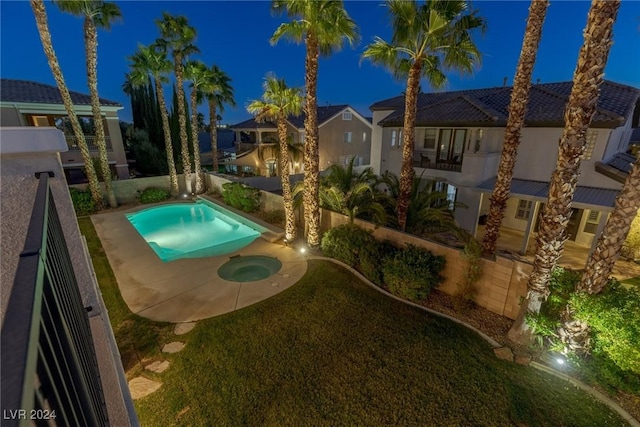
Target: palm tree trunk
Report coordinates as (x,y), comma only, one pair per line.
(91,49)
(600,262)
(166,129)
(40,14)
(182,121)
(515,122)
(289,214)
(213,133)
(587,79)
(311,156)
(406,172)
(194,140)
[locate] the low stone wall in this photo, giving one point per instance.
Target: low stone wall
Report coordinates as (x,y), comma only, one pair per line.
(127,190)
(268,201)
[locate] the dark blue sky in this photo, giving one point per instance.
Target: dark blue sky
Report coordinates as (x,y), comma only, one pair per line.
(234,35)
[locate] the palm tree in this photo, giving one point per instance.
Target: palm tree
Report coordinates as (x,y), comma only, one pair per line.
(426,40)
(323,26)
(517,110)
(219,92)
(152,61)
(587,78)
(200,76)
(40,14)
(96,14)
(177,37)
(279,102)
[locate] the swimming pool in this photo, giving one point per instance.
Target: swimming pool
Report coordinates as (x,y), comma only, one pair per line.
(193,230)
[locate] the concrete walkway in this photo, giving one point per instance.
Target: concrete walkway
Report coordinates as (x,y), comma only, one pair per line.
(187,289)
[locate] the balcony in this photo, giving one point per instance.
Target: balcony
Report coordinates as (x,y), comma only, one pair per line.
(72,143)
(426,162)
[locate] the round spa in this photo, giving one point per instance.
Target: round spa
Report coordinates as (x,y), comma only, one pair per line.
(249,268)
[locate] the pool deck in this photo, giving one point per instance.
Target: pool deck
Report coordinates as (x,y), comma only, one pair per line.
(186,290)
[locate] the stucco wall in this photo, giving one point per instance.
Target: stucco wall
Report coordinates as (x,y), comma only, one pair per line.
(9,116)
(127,190)
(332,145)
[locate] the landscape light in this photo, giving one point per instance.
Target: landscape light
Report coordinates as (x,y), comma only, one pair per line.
(303,250)
(560,361)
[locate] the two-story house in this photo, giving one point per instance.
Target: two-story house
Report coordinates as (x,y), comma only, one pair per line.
(459,139)
(342,134)
(27,103)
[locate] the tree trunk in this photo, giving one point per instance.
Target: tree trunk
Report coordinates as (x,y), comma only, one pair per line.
(587,79)
(213,133)
(91,49)
(289,214)
(45,37)
(311,156)
(600,262)
(515,122)
(406,172)
(194,140)
(168,145)
(182,121)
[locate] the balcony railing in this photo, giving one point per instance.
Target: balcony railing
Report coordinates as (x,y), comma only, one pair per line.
(445,165)
(72,143)
(49,369)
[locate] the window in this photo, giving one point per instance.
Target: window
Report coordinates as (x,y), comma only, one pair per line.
(524,209)
(429,141)
(364,137)
(345,160)
(592,222)
(450,190)
(592,136)
(479,135)
(302,138)
(451,146)
(394,138)
(347,137)
(40,120)
(346,115)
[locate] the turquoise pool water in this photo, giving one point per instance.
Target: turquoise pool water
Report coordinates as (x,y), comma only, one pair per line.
(193,230)
(249,268)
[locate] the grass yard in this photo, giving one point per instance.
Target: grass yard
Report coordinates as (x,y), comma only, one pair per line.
(332,351)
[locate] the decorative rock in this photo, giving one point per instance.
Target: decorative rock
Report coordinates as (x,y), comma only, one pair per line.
(504,353)
(173,347)
(523,359)
(158,367)
(141,387)
(183,328)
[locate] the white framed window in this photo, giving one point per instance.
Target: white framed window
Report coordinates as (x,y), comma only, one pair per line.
(591,225)
(479,135)
(302,138)
(592,137)
(347,137)
(40,120)
(364,137)
(346,115)
(394,138)
(429,141)
(524,209)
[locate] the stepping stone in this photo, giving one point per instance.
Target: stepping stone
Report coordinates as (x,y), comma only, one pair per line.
(173,347)
(158,367)
(141,387)
(504,353)
(183,328)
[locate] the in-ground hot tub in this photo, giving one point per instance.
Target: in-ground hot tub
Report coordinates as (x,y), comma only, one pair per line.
(249,268)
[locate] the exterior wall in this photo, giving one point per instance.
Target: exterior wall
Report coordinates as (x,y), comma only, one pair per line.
(377,143)
(127,190)
(331,140)
(117,154)
(618,140)
(9,116)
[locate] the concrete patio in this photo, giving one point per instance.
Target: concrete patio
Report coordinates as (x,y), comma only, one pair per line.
(186,290)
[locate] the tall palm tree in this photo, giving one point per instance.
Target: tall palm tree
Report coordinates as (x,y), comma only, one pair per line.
(219,92)
(587,78)
(152,62)
(323,26)
(426,40)
(177,37)
(279,102)
(96,14)
(40,14)
(513,131)
(200,77)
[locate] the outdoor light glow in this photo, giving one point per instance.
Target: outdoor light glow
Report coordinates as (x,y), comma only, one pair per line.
(302,250)
(560,361)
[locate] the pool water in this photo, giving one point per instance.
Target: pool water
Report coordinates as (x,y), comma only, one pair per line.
(249,268)
(193,230)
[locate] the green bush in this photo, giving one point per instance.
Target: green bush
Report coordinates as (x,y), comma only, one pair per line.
(372,259)
(150,160)
(241,196)
(82,202)
(413,272)
(153,195)
(346,242)
(274,217)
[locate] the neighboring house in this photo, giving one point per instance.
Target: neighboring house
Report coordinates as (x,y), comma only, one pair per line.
(27,103)
(459,140)
(225,145)
(342,134)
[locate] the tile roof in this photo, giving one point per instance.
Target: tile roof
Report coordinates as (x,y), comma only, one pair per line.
(621,162)
(545,108)
(27,91)
(635,136)
(603,197)
(324,113)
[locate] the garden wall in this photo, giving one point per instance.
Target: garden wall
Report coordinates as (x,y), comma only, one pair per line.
(268,201)
(126,190)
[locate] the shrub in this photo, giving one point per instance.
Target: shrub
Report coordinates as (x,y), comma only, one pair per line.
(274,217)
(150,160)
(413,272)
(472,252)
(372,259)
(241,196)
(346,242)
(153,195)
(82,202)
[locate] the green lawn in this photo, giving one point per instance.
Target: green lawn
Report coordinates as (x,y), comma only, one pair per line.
(332,351)
(635,281)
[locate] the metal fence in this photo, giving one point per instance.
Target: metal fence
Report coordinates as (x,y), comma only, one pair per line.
(72,143)
(49,368)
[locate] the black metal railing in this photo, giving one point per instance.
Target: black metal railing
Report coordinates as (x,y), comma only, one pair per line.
(439,165)
(49,367)
(72,143)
